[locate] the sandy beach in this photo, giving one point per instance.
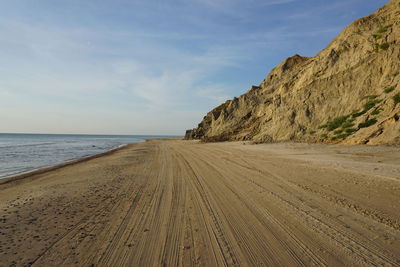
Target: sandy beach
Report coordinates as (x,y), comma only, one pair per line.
(185,203)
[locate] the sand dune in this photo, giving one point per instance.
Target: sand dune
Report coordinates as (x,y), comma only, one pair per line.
(182,203)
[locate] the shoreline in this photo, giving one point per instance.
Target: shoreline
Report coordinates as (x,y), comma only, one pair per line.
(28,174)
(41,170)
(20,174)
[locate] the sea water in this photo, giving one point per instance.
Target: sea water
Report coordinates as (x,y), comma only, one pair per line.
(26,152)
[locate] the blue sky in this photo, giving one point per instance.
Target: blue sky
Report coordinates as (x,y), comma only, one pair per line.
(148,67)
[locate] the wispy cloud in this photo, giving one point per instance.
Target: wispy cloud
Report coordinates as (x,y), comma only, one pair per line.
(63,63)
(229,3)
(215,92)
(277,2)
(136,65)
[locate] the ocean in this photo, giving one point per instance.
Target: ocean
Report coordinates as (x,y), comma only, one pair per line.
(21,153)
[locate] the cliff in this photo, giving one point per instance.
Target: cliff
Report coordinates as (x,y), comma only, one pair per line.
(349,92)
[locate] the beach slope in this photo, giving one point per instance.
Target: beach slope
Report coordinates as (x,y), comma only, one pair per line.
(185,203)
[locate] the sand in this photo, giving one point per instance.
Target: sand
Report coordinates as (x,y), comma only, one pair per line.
(184,203)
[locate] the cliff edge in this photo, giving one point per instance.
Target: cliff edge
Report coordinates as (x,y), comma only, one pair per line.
(349,92)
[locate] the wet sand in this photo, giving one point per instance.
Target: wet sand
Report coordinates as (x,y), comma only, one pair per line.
(183,203)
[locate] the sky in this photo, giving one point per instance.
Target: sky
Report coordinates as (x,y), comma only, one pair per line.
(148,66)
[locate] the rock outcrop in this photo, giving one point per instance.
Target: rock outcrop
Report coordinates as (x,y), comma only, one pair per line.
(349,92)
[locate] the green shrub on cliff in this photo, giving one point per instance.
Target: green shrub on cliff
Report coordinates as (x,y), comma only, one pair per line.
(370,104)
(377,36)
(348,124)
(367,123)
(350,130)
(383,29)
(358,113)
(384,46)
(396,98)
(338,131)
(389,89)
(336,123)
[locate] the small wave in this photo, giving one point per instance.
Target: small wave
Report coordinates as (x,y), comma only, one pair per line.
(15,171)
(29,145)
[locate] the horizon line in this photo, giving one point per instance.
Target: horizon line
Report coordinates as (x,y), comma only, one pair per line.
(1,133)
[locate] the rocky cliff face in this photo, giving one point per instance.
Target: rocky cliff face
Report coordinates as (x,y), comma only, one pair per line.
(349,92)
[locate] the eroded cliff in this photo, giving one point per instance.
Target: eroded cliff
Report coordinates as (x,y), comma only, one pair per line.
(349,92)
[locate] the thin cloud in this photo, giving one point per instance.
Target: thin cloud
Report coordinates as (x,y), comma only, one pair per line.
(215,92)
(229,3)
(161,84)
(277,2)
(140,65)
